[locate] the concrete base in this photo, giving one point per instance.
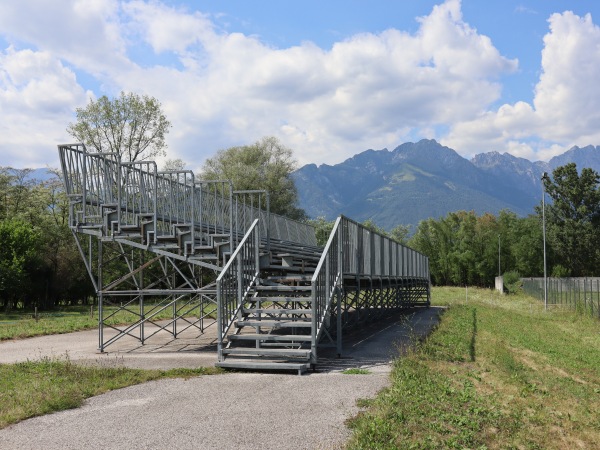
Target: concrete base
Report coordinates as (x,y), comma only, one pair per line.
(500,284)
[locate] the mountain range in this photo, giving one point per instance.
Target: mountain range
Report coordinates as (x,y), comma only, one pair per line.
(416,181)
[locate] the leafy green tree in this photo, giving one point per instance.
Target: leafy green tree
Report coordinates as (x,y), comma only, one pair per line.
(265,165)
(132,125)
(573,219)
(522,244)
(463,247)
(434,238)
(371,225)
(17,253)
(323,229)
(400,233)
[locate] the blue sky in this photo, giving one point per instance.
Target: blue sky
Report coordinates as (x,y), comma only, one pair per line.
(329,79)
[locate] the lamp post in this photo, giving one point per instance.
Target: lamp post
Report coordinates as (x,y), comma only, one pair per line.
(499,270)
(544,179)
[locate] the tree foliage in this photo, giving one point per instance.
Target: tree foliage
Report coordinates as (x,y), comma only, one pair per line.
(132,125)
(573,219)
(463,248)
(39,262)
(267,165)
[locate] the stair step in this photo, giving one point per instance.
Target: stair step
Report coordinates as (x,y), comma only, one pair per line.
(166,237)
(276,311)
(274,323)
(270,352)
(301,257)
(203,257)
(290,278)
(281,299)
(282,288)
(271,337)
(129,228)
(288,269)
(202,248)
(263,365)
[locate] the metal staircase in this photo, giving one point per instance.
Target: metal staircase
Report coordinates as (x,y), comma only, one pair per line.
(273,328)
(159,244)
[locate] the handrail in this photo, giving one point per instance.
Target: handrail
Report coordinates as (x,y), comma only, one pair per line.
(235,281)
(325,281)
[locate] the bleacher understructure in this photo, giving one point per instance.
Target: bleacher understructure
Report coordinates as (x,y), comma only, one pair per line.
(162,245)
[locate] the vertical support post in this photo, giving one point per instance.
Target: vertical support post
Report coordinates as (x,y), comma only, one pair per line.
(100,300)
(219,321)
(240,286)
(142,313)
(233,244)
(544,178)
(268,223)
(340,269)
(175,316)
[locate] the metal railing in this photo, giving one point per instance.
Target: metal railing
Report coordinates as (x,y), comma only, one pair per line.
(579,294)
(356,251)
(96,182)
(368,253)
(324,284)
(235,282)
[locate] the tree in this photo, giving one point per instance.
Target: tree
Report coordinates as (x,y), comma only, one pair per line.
(173,164)
(573,219)
(133,126)
(18,251)
(400,233)
(267,165)
(370,224)
(323,229)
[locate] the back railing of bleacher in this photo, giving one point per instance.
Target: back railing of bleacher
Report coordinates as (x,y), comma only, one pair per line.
(137,191)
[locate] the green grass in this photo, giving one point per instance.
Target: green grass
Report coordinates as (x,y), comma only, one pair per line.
(499,372)
(34,388)
(19,325)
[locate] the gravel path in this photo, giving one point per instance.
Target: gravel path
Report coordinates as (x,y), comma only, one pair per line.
(237,410)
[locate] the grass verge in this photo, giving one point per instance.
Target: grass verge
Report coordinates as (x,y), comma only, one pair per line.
(34,388)
(499,372)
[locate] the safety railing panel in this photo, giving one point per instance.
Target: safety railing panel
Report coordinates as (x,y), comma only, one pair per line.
(369,253)
(91,180)
(354,250)
(137,191)
(235,281)
(96,179)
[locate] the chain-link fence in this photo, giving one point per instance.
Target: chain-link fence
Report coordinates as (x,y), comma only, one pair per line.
(580,294)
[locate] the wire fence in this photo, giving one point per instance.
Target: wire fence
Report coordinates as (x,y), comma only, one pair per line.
(579,294)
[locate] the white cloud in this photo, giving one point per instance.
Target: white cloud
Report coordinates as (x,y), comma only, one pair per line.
(565,107)
(37,96)
(367,91)
(167,29)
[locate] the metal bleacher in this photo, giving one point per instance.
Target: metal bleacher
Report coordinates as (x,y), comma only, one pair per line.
(162,245)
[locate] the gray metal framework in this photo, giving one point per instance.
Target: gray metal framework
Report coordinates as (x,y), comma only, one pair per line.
(164,246)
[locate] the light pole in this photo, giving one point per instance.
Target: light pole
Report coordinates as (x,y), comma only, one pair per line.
(544,179)
(499,270)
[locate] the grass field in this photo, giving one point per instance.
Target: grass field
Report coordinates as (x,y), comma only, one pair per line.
(499,372)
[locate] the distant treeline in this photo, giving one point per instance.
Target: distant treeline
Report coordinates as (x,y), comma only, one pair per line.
(40,265)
